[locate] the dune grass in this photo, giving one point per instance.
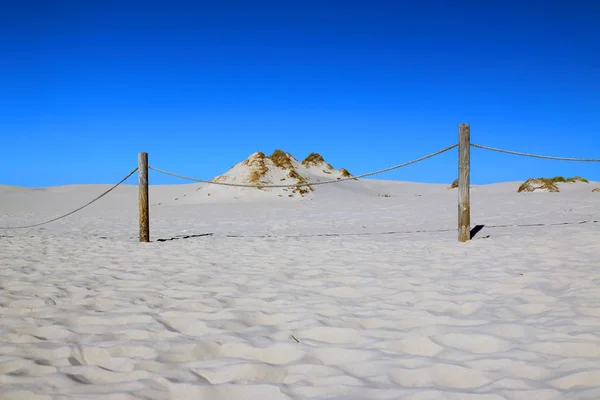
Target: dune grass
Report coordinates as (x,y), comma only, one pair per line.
(533,184)
(281,159)
(577,179)
(315,160)
(346,174)
(258,168)
(549,184)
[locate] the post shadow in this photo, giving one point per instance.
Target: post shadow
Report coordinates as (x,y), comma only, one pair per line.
(476,229)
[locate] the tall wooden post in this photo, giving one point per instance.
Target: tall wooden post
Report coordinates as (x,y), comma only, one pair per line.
(464,182)
(143,197)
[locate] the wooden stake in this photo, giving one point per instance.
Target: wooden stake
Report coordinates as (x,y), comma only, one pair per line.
(143,197)
(464,182)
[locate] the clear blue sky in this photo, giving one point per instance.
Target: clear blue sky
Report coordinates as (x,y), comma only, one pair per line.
(200,85)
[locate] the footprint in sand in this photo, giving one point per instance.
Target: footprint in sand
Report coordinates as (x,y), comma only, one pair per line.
(532,308)
(132,351)
(277,354)
(23,395)
(303,372)
(189,352)
(417,346)
(511,368)
(331,335)
(568,349)
(443,376)
(341,356)
(473,343)
(91,374)
(227,392)
(52,333)
(88,355)
(578,379)
(244,373)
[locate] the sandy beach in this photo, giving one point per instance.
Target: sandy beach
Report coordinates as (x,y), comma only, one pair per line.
(357,291)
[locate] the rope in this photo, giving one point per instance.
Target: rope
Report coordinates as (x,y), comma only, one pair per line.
(307,183)
(74,211)
(535,155)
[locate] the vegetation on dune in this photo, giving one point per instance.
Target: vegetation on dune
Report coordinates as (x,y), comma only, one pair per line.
(220,178)
(549,184)
(577,179)
(281,159)
(596,189)
(573,179)
(346,174)
(302,190)
(258,168)
(557,179)
(315,159)
(295,175)
(259,155)
(533,184)
(454,184)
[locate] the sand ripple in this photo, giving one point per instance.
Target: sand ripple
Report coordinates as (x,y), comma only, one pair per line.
(300,318)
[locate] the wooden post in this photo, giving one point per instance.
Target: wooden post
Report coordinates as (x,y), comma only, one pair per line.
(464,182)
(143,197)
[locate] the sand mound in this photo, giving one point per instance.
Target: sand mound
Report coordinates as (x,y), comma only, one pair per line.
(280,168)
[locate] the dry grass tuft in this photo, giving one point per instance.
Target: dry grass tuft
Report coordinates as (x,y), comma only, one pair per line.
(220,178)
(577,179)
(557,179)
(533,184)
(345,173)
(256,156)
(315,159)
(295,175)
(596,190)
(258,168)
(302,190)
(549,184)
(454,184)
(281,159)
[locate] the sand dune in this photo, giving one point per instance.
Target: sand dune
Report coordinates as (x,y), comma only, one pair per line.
(389,307)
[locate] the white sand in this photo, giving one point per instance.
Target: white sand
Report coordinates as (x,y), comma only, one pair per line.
(87,312)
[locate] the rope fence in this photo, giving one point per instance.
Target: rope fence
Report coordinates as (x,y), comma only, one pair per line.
(74,211)
(463,145)
(517,153)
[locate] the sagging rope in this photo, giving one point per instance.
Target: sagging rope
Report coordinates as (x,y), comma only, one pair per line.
(306,183)
(74,211)
(535,155)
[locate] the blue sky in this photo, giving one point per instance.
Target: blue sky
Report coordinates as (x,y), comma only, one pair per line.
(200,85)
